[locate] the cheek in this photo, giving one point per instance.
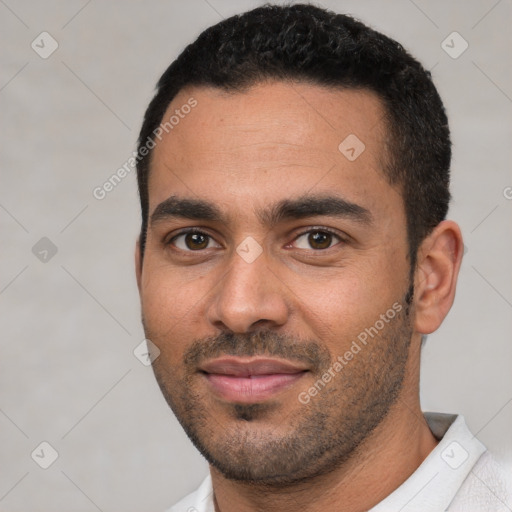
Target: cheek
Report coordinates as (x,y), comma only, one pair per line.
(334,308)
(166,306)
(338,310)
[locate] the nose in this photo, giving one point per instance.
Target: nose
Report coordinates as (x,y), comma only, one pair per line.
(250,296)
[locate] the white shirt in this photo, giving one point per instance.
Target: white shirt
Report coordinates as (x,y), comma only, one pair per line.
(459,475)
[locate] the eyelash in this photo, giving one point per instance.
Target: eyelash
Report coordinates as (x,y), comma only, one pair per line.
(309,230)
(321,230)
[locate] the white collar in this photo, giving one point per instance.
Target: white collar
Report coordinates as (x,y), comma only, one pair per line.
(434,484)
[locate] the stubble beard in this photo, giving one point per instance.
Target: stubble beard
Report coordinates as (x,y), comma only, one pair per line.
(311,440)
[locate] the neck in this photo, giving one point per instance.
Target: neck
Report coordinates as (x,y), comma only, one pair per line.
(380,465)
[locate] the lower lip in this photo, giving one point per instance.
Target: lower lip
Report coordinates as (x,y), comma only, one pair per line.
(251,390)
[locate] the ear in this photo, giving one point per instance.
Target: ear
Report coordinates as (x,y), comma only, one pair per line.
(437,269)
(138,262)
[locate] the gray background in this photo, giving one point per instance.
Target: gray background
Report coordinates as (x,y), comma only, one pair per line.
(70,321)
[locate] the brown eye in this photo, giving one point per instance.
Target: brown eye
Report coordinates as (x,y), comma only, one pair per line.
(320,240)
(192,241)
(316,239)
(196,241)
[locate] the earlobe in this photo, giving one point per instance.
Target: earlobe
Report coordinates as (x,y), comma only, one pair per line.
(438,264)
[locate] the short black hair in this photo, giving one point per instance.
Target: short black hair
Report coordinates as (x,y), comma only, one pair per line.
(305,43)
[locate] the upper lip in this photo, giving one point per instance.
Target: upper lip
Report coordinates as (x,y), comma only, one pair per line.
(244,367)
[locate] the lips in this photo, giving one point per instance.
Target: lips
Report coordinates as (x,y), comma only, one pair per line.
(250,380)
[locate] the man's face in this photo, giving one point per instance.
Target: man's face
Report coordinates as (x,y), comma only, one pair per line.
(299,259)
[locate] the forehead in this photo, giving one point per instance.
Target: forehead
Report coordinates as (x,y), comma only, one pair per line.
(271,141)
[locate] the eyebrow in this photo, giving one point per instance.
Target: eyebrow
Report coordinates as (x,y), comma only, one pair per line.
(287,209)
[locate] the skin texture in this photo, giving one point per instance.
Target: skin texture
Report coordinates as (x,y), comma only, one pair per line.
(298,300)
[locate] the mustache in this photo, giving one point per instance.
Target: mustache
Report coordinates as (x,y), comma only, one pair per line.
(260,343)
